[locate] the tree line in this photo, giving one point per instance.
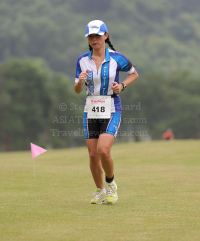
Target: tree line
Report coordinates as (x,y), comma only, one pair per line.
(39,105)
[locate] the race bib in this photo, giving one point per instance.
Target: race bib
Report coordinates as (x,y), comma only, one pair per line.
(99,107)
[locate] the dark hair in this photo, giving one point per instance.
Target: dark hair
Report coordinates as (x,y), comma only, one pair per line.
(108,42)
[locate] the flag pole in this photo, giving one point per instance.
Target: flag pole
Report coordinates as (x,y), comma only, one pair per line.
(34,167)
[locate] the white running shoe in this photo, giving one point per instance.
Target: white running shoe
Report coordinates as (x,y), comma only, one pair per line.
(99,196)
(111,191)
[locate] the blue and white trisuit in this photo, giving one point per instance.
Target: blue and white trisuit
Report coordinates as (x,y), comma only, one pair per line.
(100,83)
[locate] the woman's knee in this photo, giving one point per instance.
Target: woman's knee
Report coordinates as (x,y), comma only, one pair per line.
(104,152)
(93,156)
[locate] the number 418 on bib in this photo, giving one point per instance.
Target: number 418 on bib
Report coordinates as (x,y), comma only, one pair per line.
(98,109)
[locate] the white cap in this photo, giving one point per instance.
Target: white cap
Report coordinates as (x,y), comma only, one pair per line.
(96,27)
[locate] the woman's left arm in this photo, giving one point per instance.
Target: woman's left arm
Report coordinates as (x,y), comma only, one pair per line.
(129,80)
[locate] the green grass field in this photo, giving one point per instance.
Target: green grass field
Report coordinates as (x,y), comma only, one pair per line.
(159,195)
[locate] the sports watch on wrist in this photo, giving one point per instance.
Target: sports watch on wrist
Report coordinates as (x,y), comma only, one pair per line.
(124,86)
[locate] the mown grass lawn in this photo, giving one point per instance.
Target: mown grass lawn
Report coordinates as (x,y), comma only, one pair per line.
(159,195)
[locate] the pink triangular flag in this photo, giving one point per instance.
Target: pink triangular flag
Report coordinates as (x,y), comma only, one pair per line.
(36,150)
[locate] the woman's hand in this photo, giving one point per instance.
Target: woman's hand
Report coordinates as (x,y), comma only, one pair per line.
(83,76)
(117,87)
(78,87)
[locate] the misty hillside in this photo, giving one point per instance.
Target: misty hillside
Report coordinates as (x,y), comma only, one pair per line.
(155,35)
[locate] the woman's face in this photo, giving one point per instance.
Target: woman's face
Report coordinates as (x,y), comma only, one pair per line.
(97,41)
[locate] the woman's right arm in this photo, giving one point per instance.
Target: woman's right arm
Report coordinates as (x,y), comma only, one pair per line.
(78,87)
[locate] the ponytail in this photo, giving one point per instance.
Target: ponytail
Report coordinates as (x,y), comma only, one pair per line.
(110,44)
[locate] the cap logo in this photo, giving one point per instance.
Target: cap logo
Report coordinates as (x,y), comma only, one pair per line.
(94,27)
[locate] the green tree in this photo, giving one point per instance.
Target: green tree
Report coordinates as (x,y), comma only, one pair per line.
(32,107)
(25,102)
(165,101)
